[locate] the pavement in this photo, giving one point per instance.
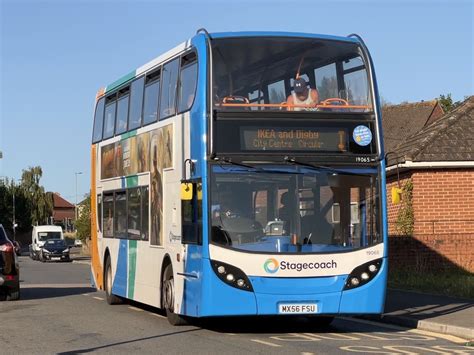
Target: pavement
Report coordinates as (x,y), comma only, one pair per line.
(434,313)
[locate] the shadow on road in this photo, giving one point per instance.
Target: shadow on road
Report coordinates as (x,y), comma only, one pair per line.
(89,350)
(34,293)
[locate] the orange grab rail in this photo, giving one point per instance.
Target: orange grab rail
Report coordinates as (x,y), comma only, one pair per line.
(293,105)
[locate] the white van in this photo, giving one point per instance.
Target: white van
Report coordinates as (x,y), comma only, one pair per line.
(41,234)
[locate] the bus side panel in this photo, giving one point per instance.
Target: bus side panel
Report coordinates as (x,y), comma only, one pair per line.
(369,298)
(96,264)
(192,280)
(119,286)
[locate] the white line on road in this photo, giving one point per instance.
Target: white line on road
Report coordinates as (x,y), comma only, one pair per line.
(305,353)
(98,298)
(135,309)
(265,343)
(448,337)
(86,294)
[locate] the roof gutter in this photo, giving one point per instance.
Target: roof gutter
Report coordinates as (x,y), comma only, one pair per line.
(431,165)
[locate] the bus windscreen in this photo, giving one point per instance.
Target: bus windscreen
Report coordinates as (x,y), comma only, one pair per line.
(291,74)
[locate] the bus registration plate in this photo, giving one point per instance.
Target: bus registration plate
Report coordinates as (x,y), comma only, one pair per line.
(297,308)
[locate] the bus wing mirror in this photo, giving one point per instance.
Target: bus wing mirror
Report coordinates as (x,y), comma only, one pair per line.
(396,194)
(186,191)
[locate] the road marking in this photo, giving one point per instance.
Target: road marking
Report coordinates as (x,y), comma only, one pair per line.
(305,353)
(448,337)
(135,309)
(332,336)
(265,343)
(86,294)
(98,298)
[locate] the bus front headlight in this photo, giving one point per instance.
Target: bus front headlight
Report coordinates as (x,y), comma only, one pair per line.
(231,275)
(363,274)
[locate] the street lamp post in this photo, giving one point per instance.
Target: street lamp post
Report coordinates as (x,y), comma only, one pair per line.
(14,225)
(75,205)
(14,219)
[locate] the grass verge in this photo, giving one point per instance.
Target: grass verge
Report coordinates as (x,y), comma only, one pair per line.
(454,283)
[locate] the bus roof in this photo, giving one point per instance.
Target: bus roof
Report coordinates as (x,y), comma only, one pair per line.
(217,35)
(281,34)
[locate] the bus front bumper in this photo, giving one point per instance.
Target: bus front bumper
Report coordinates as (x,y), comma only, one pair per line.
(269,296)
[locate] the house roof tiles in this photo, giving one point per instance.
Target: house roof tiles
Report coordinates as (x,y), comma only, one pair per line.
(401,121)
(449,138)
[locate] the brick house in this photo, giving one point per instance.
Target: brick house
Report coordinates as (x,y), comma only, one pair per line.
(432,155)
(63,212)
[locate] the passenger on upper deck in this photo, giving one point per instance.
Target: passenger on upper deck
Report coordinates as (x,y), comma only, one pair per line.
(302,94)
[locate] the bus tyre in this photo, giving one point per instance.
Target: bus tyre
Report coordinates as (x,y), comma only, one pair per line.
(111,298)
(167,292)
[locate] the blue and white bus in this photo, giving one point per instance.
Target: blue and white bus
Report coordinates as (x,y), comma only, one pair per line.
(243,174)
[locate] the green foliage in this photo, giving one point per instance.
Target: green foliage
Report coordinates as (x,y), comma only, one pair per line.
(41,203)
(447,103)
(32,204)
(83,223)
(450,282)
(406,218)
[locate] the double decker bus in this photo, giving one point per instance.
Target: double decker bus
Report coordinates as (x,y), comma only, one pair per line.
(242,174)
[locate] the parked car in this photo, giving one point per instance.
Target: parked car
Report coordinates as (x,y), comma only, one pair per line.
(9,269)
(54,249)
(77,243)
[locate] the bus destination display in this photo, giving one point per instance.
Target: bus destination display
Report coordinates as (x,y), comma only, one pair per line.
(293,139)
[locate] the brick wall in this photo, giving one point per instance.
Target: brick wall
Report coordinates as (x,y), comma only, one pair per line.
(443,204)
(443,201)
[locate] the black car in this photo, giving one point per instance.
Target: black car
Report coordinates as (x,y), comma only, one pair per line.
(54,249)
(9,269)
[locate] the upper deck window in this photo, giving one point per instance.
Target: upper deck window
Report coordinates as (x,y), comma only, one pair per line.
(109,119)
(258,73)
(188,78)
(122,111)
(168,90)
(98,121)
(152,93)
(136,103)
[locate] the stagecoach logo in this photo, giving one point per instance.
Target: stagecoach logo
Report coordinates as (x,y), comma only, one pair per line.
(362,135)
(271,265)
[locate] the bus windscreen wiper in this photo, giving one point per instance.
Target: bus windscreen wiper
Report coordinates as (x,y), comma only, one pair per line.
(321,167)
(228,161)
(257,168)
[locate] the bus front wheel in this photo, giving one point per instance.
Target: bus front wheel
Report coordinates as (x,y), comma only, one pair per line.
(167,293)
(111,298)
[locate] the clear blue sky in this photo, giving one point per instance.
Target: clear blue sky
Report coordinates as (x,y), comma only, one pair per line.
(56,54)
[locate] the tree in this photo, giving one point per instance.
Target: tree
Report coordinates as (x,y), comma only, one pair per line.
(41,204)
(447,103)
(83,223)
